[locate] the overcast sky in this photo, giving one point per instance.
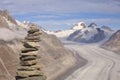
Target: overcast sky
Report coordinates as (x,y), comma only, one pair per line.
(63,14)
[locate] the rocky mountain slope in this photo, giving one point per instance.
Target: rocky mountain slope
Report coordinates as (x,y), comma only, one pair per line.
(113,43)
(8,62)
(6,15)
(55,58)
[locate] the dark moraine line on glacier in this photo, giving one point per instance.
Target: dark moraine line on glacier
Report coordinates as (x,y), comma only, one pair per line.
(107,57)
(106,63)
(116,59)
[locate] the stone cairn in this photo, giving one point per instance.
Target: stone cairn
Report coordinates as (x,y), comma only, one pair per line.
(29,68)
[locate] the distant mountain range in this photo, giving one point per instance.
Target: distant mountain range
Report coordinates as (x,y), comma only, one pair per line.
(83,33)
(88,34)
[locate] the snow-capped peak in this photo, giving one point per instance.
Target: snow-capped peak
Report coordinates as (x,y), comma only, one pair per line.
(79,25)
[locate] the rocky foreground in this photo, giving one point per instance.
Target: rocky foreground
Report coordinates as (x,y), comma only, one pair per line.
(55,58)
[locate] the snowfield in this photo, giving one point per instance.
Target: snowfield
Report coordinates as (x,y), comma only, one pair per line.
(102,64)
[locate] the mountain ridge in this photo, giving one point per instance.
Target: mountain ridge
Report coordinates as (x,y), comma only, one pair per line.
(113,43)
(52,53)
(80,32)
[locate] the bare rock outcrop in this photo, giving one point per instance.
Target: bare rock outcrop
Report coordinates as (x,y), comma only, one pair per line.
(6,15)
(3,22)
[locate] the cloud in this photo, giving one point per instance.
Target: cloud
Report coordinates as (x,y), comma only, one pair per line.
(67,24)
(8,35)
(56,13)
(61,6)
(45,16)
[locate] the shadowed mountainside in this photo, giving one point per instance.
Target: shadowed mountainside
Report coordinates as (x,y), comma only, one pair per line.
(113,43)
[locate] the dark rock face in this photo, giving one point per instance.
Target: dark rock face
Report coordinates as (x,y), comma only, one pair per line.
(83,36)
(113,43)
(92,25)
(99,36)
(71,37)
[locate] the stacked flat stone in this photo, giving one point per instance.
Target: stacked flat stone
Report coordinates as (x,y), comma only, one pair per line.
(29,68)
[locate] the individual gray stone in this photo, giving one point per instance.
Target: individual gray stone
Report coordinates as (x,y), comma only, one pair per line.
(32,53)
(25,50)
(28,44)
(31,31)
(26,68)
(32,78)
(35,34)
(30,73)
(31,68)
(26,58)
(32,38)
(28,63)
